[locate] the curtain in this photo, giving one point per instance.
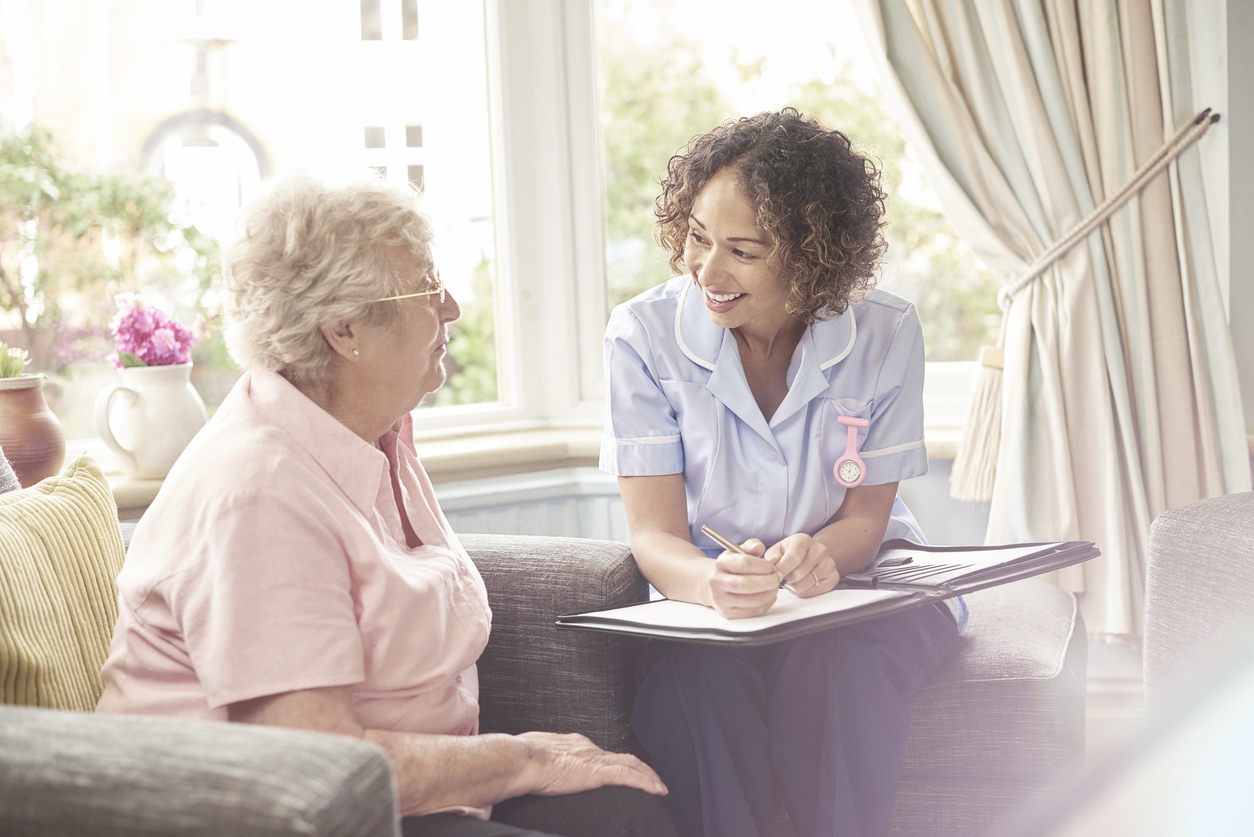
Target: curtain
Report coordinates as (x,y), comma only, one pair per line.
(1119,384)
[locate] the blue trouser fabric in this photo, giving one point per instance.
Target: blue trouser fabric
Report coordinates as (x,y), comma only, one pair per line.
(823,718)
(610,811)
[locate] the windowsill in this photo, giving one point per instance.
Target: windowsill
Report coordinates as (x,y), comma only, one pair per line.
(522,448)
(470,457)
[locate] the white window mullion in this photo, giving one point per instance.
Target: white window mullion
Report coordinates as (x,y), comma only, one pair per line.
(552,206)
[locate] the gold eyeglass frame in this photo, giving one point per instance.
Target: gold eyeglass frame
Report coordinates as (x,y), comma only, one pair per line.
(439,289)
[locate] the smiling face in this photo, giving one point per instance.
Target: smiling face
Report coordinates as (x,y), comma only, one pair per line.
(730,259)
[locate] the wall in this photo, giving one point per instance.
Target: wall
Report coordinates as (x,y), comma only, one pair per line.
(584,503)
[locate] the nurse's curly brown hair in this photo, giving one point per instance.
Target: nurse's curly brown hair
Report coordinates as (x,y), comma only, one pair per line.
(818,201)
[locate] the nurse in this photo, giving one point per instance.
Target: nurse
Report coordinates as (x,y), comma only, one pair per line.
(727,386)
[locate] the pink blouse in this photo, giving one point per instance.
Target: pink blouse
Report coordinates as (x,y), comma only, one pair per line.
(275,559)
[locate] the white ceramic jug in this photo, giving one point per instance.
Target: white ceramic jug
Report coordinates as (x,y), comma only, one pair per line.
(149,418)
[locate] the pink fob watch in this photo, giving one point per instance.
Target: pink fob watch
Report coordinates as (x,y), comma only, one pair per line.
(850,470)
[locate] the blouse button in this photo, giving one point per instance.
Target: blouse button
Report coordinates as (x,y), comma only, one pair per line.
(772,457)
(458,679)
(461,567)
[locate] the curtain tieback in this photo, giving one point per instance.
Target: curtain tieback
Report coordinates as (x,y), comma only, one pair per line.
(1185,135)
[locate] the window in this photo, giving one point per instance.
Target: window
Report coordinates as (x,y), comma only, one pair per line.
(493,109)
(192,97)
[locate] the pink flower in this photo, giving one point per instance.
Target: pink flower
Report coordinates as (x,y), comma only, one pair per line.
(149,334)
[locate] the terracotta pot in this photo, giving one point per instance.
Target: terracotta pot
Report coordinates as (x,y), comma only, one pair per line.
(30,434)
(149,418)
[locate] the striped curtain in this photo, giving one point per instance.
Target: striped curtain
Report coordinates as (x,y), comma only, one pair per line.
(1119,387)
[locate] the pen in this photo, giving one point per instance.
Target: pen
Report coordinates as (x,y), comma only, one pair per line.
(729,545)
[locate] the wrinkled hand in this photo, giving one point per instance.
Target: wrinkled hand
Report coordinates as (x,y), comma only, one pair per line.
(562,764)
(805,563)
(743,585)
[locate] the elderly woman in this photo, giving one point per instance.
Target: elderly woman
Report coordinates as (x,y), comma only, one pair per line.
(296,570)
(733,393)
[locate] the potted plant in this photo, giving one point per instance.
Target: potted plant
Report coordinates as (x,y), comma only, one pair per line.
(30,435)
(149,417)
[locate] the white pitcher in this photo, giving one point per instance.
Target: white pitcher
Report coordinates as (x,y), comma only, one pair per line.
(149,418)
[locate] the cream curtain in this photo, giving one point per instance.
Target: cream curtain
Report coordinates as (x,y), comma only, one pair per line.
(1119,387)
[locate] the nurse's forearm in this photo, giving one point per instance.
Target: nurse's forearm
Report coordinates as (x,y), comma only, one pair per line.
(736,585)
(674,566)
(657,518)
(854,536)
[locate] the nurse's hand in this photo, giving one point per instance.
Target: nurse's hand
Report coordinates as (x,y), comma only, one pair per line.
(743,585)
(805,564)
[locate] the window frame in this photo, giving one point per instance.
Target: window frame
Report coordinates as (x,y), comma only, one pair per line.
(549,219)
(548,183)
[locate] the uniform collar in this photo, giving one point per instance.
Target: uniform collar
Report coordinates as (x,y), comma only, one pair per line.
(824,344)
(352,464)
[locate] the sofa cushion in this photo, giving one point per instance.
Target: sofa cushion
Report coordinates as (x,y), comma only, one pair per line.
(60,553)
(8,479)
(1008,700)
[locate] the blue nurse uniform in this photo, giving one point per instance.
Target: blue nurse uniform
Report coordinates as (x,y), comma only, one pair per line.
(823,719)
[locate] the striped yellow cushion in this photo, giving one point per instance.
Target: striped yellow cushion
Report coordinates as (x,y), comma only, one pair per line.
(60,553)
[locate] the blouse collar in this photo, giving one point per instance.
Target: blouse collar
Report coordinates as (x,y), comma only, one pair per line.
(823,345)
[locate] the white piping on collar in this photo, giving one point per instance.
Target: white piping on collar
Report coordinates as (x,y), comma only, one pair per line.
(692,356)
(853,335)
(679,332)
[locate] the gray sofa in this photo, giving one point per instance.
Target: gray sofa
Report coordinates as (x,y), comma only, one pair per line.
(1186,767)
(1199,592)
(999,721)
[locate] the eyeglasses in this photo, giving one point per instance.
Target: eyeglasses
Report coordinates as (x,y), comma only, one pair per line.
(438,289)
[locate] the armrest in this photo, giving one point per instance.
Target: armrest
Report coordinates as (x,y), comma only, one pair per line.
(533,676)
(116,775)
(1199,589)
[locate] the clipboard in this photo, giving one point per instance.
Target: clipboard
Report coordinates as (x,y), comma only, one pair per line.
(904,575)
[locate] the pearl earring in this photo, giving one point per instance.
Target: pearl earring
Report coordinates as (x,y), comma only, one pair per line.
(356,353)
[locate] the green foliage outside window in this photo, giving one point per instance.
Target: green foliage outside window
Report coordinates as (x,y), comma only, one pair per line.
(471,361)
(955,295)
(72,238)
(654,99)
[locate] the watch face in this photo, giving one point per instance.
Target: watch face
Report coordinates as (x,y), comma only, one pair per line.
(849,471)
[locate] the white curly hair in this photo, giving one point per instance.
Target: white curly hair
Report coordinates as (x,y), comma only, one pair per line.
(309,252)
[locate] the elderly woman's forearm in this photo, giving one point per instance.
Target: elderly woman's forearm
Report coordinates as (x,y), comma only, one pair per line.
(432,771)
(439,771)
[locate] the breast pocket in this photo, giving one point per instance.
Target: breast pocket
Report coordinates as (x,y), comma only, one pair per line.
(835,440)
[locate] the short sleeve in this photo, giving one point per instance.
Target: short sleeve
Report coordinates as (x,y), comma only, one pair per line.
(270,608)
(641,430)
(894,447)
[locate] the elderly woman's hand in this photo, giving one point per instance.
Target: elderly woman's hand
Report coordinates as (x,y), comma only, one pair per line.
(562,764)
(440,771)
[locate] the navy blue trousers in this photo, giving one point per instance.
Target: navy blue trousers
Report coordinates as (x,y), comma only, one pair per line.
(823,718)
